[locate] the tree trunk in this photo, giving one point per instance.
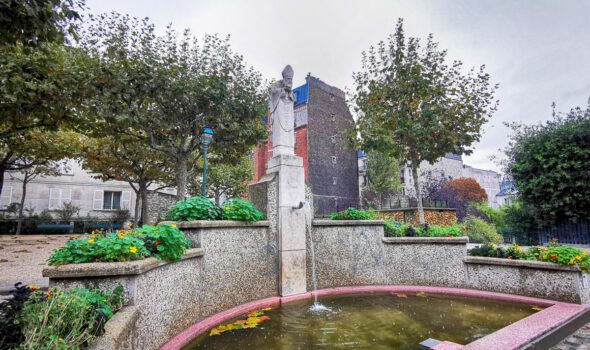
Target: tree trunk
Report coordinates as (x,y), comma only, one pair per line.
(19,222)
(136,211)
(217,197)
(2,170)
(418,189)
(144,205)
(181,175)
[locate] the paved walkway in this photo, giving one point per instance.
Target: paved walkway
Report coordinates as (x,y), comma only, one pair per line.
(580,340)
(22,258)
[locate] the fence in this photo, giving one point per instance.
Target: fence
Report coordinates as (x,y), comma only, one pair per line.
(323,206)
(577,233)
(406,202)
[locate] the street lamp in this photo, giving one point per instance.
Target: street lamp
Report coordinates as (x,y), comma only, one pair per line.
(206,138)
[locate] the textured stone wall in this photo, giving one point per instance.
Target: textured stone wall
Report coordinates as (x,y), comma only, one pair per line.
(441,217)
(158,205)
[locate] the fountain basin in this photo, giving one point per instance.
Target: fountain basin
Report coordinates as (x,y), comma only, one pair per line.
(517,331)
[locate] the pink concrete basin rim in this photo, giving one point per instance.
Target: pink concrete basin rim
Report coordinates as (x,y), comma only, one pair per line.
(513,336)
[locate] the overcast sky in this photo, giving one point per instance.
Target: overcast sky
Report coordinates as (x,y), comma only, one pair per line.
(537,50)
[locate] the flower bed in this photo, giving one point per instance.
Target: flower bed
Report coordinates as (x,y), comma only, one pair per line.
(354,214)
(199,208)
(554,253)
(164,242)
(33,319)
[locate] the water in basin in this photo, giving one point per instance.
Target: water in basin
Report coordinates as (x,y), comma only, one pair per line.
(371,321)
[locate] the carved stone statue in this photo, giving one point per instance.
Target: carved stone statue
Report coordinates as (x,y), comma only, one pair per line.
(281,114)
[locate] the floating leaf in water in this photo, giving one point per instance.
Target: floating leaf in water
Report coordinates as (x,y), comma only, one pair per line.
(536,308)
(267,309)
(399,295)
(255,313)
(421,294)
(254,319)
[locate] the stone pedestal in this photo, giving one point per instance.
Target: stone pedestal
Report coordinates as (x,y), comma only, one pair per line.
(284,191)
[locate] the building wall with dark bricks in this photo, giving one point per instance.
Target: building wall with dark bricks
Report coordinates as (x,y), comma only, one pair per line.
(333,168)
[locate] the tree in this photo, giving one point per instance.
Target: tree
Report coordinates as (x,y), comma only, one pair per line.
(225,180)
(125,158)
(170,88)
(44,82)
(383,172)
(33,22)
(550,164)
(413,105)
(459,193)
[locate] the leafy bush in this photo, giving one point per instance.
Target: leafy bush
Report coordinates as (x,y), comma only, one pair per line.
(11,333)
(495,216)
(480,231)
(241,210)
(354,214)
(490,250)
(195,208)
(67,319)
(164,242)
(440,231)
(393,229)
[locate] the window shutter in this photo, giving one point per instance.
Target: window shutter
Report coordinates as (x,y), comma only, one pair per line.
(126,200)
(65,199)
(97,200)
(54,195)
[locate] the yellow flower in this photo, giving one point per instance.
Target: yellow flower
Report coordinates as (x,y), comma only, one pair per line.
(174,225)
(133,249)
(91,240)
(120,235)
(33,287)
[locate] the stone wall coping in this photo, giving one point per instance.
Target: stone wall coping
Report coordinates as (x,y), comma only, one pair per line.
(481,260)
(215,224)
(99,269)
(320,222)
(414,208)
(425,240)
(117,329)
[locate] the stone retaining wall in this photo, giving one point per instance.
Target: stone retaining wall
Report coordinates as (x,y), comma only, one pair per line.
(433,216)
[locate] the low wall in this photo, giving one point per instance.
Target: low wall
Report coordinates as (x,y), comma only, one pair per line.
(355,253)
(433,216)
(235,263)
(523,277)
(119,331)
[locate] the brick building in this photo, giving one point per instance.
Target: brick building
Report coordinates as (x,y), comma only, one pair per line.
(322,120)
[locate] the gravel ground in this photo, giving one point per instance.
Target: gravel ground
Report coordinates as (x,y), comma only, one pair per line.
(22,258)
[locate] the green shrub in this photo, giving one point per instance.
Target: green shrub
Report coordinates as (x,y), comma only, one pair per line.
(393,229)
(11,333)
(195,208)
(164,242)
(355,214)
(67,320)
(480,231)
(492,251)
(440,231)
(241,210)
(561,254)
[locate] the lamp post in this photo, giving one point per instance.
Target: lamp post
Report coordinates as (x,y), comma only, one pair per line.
(206,138)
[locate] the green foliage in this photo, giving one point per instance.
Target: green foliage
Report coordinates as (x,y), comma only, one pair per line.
(67,320)
(11,333)
(396,229)
(383,172)
(414,106)
(241,210)
(521,221)
(225,179)
(480,231)
(354,214)
(163,242)
(495,216)
(559,254)
(195,208)
(550,164)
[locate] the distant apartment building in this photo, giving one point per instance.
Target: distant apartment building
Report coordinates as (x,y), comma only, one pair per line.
(95,198)
(322,120)
(450,166)
(508,192)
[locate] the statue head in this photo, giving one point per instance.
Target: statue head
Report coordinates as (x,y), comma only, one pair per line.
(288,77)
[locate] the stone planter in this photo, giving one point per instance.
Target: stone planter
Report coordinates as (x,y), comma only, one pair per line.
(160,291)
(118,331)
(524,277)
(199,229)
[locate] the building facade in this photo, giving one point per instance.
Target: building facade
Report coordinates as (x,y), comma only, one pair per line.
(322,121)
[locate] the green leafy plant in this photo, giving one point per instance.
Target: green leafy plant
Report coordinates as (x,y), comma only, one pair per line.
(355,214)
(488,250)
(11,333)
(164,242)
(561,254)
(195,208)
(67,319)
(241,210)
(394,229)
(479,231)
(441,231)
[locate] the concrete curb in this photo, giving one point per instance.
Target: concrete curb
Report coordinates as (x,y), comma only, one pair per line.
(425,240)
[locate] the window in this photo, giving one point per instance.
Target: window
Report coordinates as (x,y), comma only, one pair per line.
(334,159)
(111,200)
(334,180)
(59,196)
(6,197)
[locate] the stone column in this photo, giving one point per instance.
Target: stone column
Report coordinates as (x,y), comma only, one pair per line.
(291,222)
